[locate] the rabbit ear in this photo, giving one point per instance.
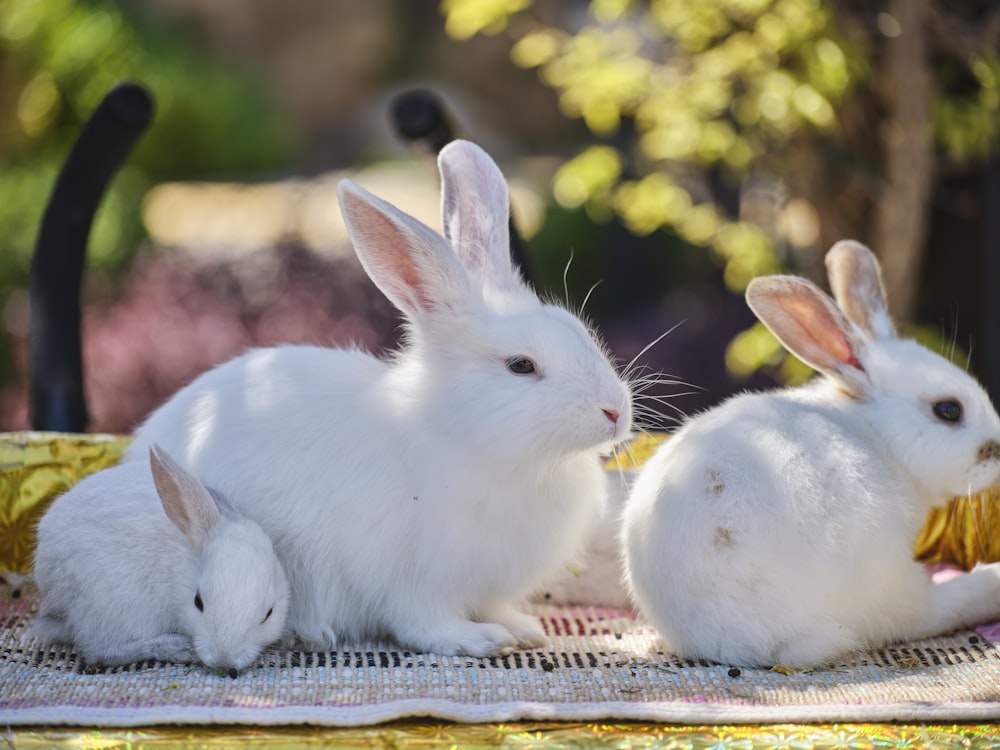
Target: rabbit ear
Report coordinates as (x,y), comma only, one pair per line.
(186,501)
(475,209)
(811,327)
(856,282)
(407,260)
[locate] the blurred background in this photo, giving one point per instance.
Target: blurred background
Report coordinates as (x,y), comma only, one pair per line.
(673,149)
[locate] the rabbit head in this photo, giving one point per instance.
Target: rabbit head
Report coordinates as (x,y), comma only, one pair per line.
(933,417)
(482,350)
(238,601)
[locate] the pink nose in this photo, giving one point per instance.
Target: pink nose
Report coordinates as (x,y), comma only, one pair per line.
(611,414)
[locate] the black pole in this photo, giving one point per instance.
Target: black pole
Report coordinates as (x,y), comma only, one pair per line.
(419,119)
(55,362)
(989,267)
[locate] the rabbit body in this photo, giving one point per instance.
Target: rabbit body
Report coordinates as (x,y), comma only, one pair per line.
(119,578)
(777,528)
(421,496)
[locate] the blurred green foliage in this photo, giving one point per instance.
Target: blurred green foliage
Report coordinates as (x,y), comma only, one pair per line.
(58,58)
(709,84)
(968,124)
(715,90)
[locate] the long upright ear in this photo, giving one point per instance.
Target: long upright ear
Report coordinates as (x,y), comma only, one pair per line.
(856,282)
(475,207)
(406,259)
(811,327)
(186,501)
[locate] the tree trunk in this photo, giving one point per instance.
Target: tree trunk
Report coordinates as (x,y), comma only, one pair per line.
(901,209)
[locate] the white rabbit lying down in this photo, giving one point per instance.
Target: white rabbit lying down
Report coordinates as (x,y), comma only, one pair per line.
(777,528)
(425,495)
(140,561)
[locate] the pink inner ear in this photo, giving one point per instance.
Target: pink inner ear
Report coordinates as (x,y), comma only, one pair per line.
(396,263)
(170,497)
(818,327)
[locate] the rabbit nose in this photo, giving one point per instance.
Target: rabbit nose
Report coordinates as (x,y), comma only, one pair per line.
(612,415)
(989,450)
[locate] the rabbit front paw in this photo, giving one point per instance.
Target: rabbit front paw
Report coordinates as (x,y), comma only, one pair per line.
(461,637)
(166,647)
(316,639)
(526,629)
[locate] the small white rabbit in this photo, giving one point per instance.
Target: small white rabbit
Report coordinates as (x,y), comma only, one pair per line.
(141,561)
(777,528)
(422,496)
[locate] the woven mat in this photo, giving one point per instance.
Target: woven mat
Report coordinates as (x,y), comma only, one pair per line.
(600,665)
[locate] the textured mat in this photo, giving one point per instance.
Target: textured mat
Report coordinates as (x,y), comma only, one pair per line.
(600,665)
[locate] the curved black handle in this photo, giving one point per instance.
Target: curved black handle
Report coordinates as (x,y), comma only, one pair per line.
(55,362)
(419,118)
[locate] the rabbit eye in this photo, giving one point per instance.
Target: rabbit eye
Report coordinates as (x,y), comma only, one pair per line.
(267,616)
(948,410)
(198,602)
(520,365)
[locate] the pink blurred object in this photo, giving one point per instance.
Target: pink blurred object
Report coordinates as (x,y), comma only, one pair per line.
(941,572)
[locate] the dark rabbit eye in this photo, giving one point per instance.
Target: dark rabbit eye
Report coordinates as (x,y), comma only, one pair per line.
(948,410)
(198,602)
(267,616)
(520,365)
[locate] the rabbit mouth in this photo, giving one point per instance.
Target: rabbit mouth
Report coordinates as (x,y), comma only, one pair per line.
(619,434)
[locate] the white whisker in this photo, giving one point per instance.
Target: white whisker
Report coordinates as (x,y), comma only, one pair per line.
(566,277)
(590,291)
(628,368)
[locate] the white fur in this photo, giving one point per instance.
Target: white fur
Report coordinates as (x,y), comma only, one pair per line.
(598,577)
(423,496)
(777,528)
(117,575)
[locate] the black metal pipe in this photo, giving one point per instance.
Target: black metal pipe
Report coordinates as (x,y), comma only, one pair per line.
(419,119)
(55,361)
(989,278)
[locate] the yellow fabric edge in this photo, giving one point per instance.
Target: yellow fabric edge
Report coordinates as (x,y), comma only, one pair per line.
(417,733)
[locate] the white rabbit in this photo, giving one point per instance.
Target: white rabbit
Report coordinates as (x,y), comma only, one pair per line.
(423,496)
(777,528)
(141,561)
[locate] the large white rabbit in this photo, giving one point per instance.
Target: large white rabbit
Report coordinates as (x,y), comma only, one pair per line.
(423,496)
(141,561)
(778,527)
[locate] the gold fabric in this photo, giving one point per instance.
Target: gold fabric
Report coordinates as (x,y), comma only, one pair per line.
(420,734)
(35,468)
(964,532)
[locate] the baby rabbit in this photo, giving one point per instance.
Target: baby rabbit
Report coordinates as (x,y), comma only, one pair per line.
(777,528)
(424,495)
(129,576)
